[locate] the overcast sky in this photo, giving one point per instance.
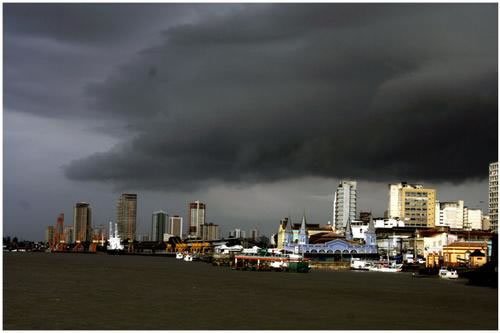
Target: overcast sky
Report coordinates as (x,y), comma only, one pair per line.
(257,110)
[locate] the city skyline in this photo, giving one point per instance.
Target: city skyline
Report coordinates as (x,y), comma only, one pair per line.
(257,110)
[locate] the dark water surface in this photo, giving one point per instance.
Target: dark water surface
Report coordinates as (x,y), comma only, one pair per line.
(77,291)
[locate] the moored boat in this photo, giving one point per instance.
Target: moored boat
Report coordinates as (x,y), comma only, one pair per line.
(387,268)
(288,263)
(448,273)
(179,255)
(358,264)
(188,257)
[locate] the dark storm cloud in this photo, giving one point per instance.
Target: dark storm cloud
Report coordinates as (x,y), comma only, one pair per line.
(51,51)
(87,23)
(273,92)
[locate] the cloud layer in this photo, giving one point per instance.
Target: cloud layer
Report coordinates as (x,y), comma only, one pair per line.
(271,92)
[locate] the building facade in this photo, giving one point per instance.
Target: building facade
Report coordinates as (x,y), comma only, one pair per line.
(473,219)
(329,242)
(413,204)
(254,234)
(459,253)
(68,234)
(49,235)
(126,216)
(175,226)
(158,226)
(237,233)
(344,204)
(197,215)
(493,196)
(59,229)
(82,222)
(210,232)
(450,214)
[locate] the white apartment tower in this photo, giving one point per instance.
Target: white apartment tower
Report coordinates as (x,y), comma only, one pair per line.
(344,204)
(493,196)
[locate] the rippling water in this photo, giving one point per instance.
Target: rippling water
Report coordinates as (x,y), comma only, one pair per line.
(77,291)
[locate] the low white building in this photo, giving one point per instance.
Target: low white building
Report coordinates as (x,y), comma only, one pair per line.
(434,244)
(388,223)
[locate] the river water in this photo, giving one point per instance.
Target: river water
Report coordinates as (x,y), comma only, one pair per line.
(99,292)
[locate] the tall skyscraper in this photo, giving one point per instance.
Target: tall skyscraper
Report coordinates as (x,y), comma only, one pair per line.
(175,225)
(197,214)
(59,229)
(82,222)
(49,235)
(210,231)
(254,234)
(237,233)
(158,226)
(418,207)
(493,196)
(126,215)
(68,234)
(413,204)
(394,208)
(344,204)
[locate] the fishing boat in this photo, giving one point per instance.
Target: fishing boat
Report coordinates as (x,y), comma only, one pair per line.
(287,263)
(386,267)
(448,273)
(362,265)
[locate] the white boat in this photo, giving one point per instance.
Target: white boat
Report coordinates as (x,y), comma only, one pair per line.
(447,273)
(114,242)
(392,268)
(179,255)
(188,257)
(359,264)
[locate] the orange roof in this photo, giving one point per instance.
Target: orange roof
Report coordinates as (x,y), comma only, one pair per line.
(467,244)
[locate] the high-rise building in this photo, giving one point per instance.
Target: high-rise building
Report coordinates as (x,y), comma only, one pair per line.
(126,216)
(237,233)
(344,204)
(473,219)
(210,232)
(451,214)
(394,208)
(68,234)
(59,229)
(493,196)
(175,225)
(82,222)
(197,215)
(413,204)
(254,234)
(99,234)
(49,235)
(158,226)
(418,207)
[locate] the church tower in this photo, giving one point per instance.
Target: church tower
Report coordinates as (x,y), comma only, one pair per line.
(303,239)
